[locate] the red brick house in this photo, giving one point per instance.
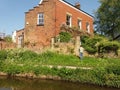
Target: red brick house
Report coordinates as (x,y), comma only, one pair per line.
(43,22)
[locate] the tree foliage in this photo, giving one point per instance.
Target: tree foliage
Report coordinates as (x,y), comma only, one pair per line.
(108,18)
(8,38)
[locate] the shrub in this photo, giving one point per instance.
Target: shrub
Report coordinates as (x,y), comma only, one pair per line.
(90,43)
(18,54)
(12,54)
(3,54)
(99,44)
(12,69)
(8,39)
(115,69)
(106,46)
(90,50)
(28,55)
(65,37)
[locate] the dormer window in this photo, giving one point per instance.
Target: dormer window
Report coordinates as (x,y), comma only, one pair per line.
(40,19)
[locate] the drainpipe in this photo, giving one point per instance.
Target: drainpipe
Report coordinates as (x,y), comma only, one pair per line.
(55,19)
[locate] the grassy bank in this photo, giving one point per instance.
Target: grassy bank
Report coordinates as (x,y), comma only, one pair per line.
(20,61)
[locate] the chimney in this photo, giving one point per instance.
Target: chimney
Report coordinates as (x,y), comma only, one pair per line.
(77,5)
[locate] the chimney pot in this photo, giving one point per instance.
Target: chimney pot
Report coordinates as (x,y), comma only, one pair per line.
(77,5)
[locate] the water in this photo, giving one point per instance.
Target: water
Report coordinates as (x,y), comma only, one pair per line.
(38,84)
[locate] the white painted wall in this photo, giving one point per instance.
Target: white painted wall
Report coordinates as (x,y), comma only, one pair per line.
(14,36)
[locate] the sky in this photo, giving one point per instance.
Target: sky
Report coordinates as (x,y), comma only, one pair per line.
(12,12)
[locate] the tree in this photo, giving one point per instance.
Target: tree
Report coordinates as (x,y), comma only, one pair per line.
(107,18)
(8,39)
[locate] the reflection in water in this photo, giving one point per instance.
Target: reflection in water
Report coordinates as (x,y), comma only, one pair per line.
(6,89)
(37,84)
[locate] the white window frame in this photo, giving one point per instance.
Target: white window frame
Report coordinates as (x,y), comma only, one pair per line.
(69,21)
(88,27)
(40,19)
(80,24)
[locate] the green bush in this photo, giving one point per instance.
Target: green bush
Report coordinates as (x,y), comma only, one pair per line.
(38,70)
(65,37)
(90,50)
(28,55)
(115,69)
(12,54)
(12,69)
(90,43)
(106,46)
(3,54)
(21,54)
(99,44)
(65,73)
(8,39)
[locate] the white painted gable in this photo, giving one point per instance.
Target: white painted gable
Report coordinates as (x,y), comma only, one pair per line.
(40,1)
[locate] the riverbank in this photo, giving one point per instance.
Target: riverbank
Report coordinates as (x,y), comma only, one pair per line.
(34,76)
(96,76)
(49,65)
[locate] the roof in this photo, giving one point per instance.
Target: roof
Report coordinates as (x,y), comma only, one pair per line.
(20,30)
(76,8)
(72,6)
(1,40)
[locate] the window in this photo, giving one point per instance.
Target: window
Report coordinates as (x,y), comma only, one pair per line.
(88,27)
(69,20)
(80,24)
(40,19)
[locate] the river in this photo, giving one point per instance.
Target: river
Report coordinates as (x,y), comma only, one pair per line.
(38,84)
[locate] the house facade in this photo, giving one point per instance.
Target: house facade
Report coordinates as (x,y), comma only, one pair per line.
(43,22)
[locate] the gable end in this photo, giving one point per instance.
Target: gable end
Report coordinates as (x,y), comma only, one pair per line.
(70,5)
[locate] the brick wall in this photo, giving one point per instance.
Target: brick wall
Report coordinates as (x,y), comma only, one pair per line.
(54,15)
(18,34)
(40,34)
(62,10)
(2,44)
(6,45)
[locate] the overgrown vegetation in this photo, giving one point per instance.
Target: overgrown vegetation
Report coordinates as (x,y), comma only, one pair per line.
(99,44)
(102,72)
(65,37)
(8,39)
(106,46)
(90,43)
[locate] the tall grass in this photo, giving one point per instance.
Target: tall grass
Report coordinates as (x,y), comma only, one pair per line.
(103,72)
(22,56)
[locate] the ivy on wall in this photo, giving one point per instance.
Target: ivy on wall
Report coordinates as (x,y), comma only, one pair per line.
(65,37)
